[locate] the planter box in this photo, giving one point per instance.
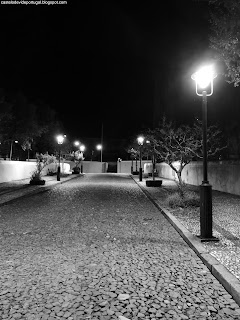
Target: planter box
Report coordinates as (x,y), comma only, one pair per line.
(37,182)
(153,183)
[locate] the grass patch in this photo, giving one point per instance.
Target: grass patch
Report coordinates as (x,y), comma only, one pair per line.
(189,199)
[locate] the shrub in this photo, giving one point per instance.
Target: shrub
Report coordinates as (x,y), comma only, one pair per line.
(51,173)
(189,199)
(77,157)
(42,160)
(175,200)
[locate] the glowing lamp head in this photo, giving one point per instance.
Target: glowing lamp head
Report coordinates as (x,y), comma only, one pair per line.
(140,140)
(204,76)
(82,148)
(99,147)
(76,143)
(60,139)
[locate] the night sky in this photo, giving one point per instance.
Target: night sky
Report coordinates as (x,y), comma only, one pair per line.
(120,63)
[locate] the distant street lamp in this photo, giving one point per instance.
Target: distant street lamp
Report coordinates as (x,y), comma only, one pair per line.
(99,147)
(60,139)
(140,142)
(11,149)
(136,164)
(76,143)
(82,149)
(203,79)
(132,156)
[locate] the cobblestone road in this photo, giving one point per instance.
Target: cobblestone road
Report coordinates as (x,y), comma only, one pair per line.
(96,248)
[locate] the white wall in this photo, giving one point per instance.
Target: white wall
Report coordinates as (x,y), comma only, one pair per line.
(223,175)
(94,167)
(125,166)
(91,166)
(16,170)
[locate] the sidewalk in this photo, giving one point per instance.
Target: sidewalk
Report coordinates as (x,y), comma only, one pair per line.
(223,257)
(10,191)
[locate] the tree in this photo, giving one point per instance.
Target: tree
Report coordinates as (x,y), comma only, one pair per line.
(179,145)
(77,157)
(42,161)
(148,149)
(18,121)
(225,36)
(47,118)
(132,148)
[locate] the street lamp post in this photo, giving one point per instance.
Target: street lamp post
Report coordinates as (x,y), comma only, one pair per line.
(132,156)
(140,142)
(77,143)
(82,149)
(136,163)
(203,79)
(60,139)
(11,149)
(99,147)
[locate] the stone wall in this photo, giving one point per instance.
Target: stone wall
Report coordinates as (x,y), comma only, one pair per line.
(16,170)
(222,175)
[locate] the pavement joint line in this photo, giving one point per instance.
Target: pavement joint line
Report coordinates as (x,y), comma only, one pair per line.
(220,272)
(38,189)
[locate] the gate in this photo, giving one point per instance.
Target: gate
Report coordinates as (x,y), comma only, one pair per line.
(112,167)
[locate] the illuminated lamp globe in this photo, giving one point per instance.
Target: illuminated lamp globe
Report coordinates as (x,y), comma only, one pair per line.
(82,148)
(204,76)
(99,147)
(140,140)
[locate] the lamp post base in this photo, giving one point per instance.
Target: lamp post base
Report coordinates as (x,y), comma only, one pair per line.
(58,173)
(206,212)
(212,239)
(140,174)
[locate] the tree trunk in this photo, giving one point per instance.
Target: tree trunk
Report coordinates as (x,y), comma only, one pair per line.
(180,182)
(153,167)
(11,147)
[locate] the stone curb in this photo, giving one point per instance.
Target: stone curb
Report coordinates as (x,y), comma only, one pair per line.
(36,190)
(225,277)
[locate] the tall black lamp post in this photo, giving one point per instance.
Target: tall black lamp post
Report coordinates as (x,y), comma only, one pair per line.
(204,81)
(140,142)
(132,157)
(99,148)
(82,149)
(60,139)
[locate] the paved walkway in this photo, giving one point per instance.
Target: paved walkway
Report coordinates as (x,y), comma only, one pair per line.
(16,189)
(222,257)
(96,248)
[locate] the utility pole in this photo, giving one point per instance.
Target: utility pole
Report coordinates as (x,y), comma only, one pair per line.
(101,141)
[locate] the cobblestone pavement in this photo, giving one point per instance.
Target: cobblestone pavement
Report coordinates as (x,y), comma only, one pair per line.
(96,248)
(226,221)
(19,188)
